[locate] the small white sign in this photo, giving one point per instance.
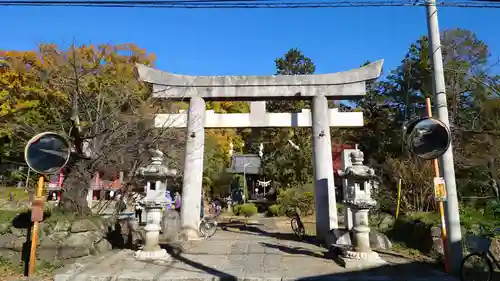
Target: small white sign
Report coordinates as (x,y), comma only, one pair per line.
(440,189)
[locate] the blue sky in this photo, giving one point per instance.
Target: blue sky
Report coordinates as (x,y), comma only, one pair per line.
(243,42)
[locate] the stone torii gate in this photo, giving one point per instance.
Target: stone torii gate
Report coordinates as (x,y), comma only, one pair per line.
(318,87)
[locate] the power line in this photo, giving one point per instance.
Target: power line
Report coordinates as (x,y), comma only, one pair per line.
(246,4)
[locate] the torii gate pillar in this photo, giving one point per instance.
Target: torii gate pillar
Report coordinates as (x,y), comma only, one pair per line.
(193,169)
(324,186)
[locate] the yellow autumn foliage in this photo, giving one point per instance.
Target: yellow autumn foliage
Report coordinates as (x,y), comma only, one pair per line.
(36,87)
(223,137)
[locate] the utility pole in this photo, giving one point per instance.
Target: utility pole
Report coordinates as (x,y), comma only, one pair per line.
(454,244)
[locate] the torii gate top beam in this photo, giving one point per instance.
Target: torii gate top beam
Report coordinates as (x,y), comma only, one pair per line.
(340,85)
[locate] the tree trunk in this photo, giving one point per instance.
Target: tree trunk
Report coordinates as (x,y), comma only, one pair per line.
(74,199)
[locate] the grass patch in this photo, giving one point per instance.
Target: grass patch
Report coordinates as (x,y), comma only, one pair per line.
(12,270)
(428,218)
(470,219)
(22,219)
(55,215)
(340,206)
(6,216)
(18,194)
(406,251)
(410,253)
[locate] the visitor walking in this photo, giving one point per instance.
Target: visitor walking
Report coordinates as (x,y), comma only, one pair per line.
(177,202)
(216,206)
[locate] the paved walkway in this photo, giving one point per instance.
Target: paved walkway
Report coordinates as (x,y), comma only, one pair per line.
(254,254)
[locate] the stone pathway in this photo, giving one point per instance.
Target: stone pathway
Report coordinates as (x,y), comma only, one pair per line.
(255,253)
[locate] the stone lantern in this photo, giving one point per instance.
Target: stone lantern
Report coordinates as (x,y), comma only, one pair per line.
(360,182)
(155,175)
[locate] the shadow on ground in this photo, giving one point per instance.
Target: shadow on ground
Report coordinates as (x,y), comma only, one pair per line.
(123,236)
(298,251)
(259,230)
(333,254)
(23,221)
(176,250)
(408,271)
(396,272)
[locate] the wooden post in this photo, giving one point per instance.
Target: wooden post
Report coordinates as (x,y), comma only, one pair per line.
(440,203)
(36,217)
(399,197)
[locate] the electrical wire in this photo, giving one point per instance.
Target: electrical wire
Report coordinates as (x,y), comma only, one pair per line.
(247,4)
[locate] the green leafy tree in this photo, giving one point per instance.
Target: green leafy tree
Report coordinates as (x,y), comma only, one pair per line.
(288,151)
(473,106)
(293,62)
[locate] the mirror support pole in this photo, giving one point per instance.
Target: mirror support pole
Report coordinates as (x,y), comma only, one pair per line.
(447,163)
(435,164)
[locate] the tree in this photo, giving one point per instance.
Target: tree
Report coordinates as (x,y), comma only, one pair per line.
(91,96)
(216,180)
(24,101)
(471,101)
(293,62)
(285,165)
(401,97)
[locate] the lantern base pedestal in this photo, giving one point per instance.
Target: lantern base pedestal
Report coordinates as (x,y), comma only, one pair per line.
(353,259)
(158,255)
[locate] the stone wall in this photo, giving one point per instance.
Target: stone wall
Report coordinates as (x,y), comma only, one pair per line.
(418,235)
(427,239)
(58,239)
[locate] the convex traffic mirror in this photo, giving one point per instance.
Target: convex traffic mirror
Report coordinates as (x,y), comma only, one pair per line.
(428,138)
(47,153)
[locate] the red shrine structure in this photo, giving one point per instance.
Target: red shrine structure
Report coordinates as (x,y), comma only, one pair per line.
(101,188)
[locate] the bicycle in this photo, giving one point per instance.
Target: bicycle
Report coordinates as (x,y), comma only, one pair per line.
(480,250)
(297,225)
(208,226)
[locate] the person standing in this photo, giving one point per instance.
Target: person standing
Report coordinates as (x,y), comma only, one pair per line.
(202,205)
(138,210)
(177,201)
(168,198)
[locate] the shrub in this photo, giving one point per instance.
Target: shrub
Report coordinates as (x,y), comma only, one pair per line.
(274,210)
(248,209)
(301,198)
(236,210)
(306,203)
(471,218)
(493,208)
